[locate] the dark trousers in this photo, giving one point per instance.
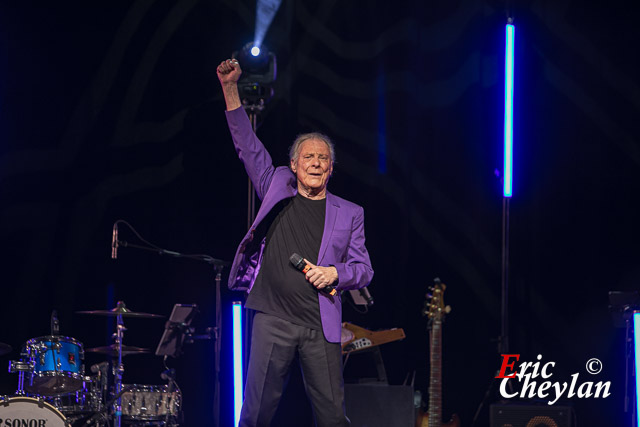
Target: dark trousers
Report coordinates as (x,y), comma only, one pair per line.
(274,344)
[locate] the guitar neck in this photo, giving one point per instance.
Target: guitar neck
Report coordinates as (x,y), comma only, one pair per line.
(435,382)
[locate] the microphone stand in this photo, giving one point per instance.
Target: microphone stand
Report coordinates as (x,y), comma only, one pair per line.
(218,347)
(170,376)
(119,371)
(218,266)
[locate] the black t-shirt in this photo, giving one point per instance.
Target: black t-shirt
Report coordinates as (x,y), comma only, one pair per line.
(280,289)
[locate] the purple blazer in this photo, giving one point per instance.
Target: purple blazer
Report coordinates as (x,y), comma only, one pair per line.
(343,239)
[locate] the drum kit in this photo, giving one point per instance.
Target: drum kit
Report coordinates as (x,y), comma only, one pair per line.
(53,390)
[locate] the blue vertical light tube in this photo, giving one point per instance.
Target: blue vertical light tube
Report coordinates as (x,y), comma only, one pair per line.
(237,361)
(507,181)
(508,111)
(636,348)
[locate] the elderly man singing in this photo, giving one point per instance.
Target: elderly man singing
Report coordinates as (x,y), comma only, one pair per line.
(296,313)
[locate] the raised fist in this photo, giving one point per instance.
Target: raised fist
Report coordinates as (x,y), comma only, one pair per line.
(229,71)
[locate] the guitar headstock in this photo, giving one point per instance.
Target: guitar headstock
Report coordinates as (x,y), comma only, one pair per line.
(434,307)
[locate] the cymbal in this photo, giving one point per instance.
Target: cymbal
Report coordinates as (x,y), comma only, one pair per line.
(121,310)
(5,349)
(112,350)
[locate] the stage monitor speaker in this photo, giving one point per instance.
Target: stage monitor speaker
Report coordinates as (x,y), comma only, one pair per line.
(375,405)
(530,415)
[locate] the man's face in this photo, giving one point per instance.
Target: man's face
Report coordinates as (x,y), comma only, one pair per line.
(313,167)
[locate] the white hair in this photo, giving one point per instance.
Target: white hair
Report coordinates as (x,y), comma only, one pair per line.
(294,150)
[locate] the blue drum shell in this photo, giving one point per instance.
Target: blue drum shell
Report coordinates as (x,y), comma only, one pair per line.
(58,367)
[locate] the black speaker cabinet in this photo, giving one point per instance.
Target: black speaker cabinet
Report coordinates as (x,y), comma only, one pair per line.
(528,415)
(373,405)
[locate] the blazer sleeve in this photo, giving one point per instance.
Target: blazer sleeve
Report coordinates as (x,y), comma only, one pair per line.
(355,272)
(252,153)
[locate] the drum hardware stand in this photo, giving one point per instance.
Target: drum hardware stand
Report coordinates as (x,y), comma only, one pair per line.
(119,370)
(55,348)
(170,376)
(102,371)
(20,367)
(55,343)
(106,408)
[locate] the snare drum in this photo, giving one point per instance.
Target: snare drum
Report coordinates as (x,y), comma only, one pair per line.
(57,364)
(31,412)
(149,402)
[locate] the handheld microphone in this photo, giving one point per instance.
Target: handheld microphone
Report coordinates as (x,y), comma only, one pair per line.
(114,242)
(300,265)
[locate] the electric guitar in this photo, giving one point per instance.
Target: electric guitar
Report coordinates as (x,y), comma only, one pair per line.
(435,310)
(356,338)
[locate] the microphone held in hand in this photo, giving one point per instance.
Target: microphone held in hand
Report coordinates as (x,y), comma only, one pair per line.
(300,264)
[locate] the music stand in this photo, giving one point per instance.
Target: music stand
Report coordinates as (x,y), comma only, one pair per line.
(176,330)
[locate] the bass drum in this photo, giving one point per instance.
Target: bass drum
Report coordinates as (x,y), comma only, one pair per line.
(28,411)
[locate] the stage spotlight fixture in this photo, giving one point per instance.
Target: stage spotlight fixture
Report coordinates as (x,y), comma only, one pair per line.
(258,74)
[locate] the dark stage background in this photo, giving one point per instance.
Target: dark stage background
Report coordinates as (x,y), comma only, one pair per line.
(112,110)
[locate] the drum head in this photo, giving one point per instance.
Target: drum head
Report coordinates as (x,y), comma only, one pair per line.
(27,411)
(49,338)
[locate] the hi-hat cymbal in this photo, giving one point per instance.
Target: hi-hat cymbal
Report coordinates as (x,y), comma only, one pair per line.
(121,310)
(112,350)
(5,349)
